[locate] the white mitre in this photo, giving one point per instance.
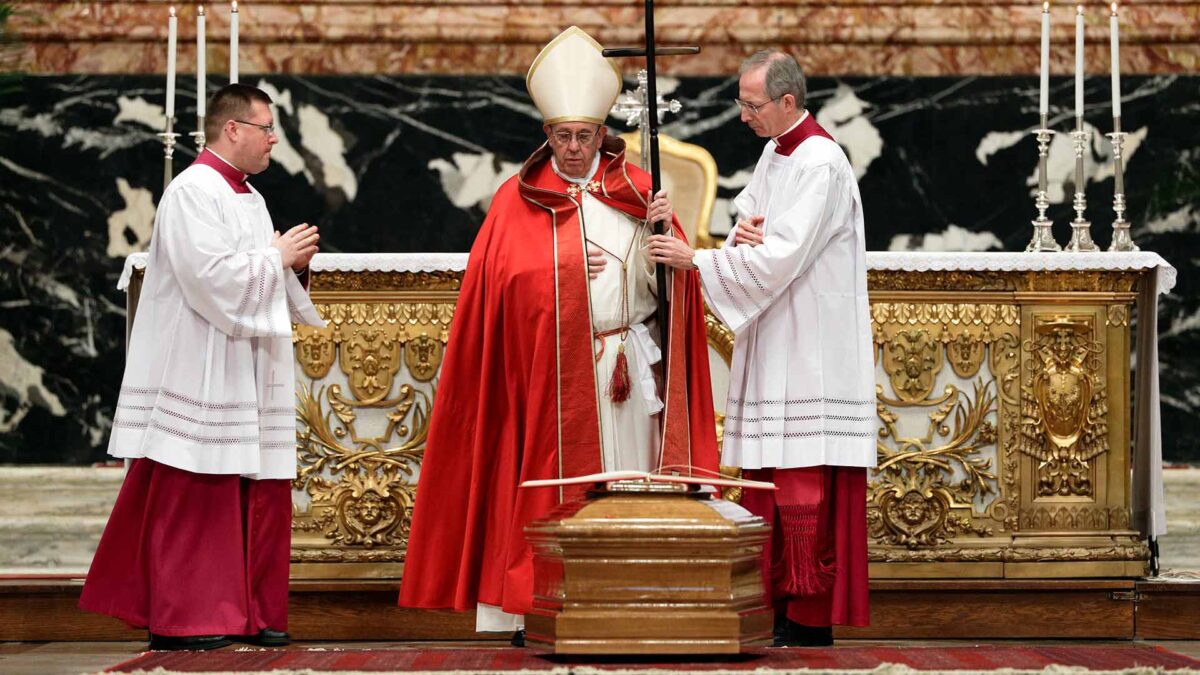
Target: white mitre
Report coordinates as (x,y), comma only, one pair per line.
(571,81)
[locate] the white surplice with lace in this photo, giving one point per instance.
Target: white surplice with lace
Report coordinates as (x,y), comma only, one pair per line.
(802,382)
(209,383)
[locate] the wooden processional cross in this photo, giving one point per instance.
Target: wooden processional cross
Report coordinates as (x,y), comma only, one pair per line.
(651,124)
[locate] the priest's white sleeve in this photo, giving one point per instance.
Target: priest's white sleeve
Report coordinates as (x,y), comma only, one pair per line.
(241,293)
(740,282)
(300,307)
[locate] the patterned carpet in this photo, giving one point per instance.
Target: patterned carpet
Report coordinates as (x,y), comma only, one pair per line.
(1108,658)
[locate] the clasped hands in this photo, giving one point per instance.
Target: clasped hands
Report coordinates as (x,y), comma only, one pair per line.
(297,246)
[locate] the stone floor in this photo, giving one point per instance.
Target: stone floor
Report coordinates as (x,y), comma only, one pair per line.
(1179,548)
(52,517)
(73,658)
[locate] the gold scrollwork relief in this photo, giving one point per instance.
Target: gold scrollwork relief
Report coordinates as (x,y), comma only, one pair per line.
(1133,551)
(423,355)
(914,493)
(1005,364)
(965,353)
(941,554)
(1118,315)
(371,281)
(345,555)
(1076,517)
(370,358)
(360,482)
(944,314)
(912,360)
(960,281)
(354,314)
(1005,361)
(1086,281)
(926,489)
(315,349)
(952,280)
(1009,508)
(1064,409)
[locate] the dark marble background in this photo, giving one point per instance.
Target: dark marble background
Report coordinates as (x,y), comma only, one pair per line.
(408,164)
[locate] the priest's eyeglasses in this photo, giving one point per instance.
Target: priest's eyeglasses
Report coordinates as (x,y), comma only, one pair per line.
(753,108)
(564,137)
(268,128)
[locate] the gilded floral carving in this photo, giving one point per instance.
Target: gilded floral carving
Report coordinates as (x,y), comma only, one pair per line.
(362,434)
(912,359)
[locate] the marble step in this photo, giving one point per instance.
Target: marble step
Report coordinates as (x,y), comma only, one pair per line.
(1179,548)
(59,491)
(52,517)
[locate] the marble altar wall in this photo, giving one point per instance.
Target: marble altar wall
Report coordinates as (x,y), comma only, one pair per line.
(387,163)
(404,37)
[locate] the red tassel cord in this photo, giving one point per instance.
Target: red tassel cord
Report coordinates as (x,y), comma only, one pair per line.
(619,387)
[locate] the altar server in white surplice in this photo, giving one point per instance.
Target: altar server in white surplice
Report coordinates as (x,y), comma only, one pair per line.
(791,282)
(198,544)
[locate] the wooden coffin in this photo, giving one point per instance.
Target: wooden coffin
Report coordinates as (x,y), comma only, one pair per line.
(646,568)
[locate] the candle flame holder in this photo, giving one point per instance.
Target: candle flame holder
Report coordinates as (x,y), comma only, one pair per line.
(1043,235)
(168,137)
(198,135)
(1121,240)
(1081,232)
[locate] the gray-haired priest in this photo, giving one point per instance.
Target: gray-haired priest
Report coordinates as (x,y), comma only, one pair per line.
(198,544)
(791,282)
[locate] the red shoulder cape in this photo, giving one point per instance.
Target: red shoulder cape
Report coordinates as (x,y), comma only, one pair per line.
(517,395)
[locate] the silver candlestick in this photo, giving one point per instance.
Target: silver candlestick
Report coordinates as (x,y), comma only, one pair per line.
(168,140)
(1043,235)
(198,135)
(1081,233)
(1121,241)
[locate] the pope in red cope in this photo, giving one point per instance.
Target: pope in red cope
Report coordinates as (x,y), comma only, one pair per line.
(553,369)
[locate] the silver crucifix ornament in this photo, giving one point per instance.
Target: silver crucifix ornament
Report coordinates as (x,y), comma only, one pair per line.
(633,107)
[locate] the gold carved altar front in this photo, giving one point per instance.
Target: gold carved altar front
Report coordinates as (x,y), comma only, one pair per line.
(363,399)
(1004,425)
(1003,404)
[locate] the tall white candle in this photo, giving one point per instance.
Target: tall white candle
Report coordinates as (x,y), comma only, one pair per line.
(1044,106)
(1079,61)
(233,44)
(171,33)
(201,74)
(1116,63)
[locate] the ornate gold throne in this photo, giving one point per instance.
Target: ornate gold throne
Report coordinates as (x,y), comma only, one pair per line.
(689,175)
